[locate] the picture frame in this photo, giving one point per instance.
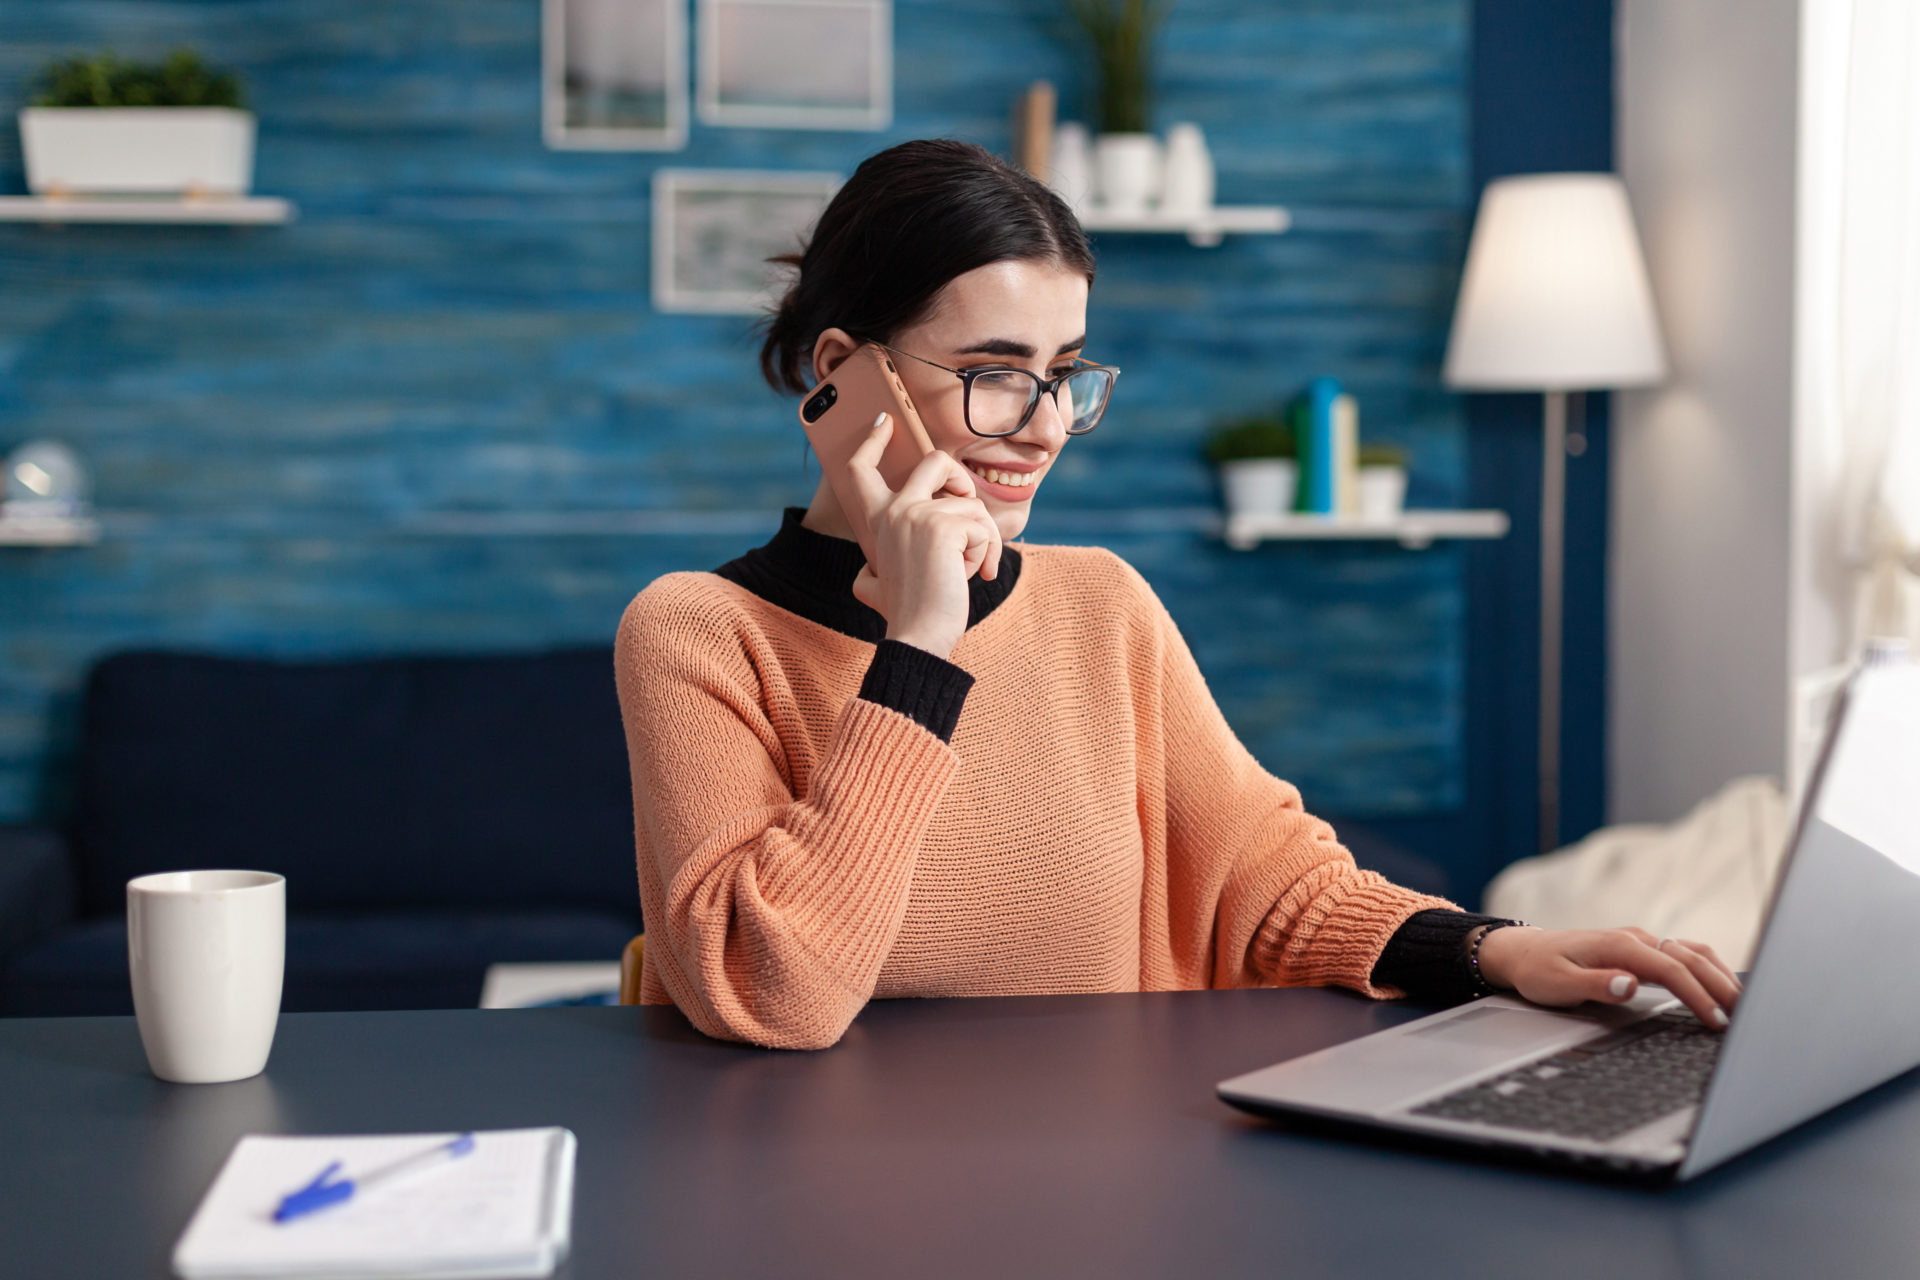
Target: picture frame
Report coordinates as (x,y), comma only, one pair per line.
(714,229)
(795,64)
(614,75)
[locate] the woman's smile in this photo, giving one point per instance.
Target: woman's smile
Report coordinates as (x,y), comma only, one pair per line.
(1007,481)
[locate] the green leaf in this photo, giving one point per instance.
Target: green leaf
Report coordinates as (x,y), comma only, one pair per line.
(184,79)
(1119,36)
(1265,435)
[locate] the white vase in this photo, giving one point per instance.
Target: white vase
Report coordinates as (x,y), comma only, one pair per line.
(1382,491)
(1259,486)
(1127,172)
(1186,187)
(1070,171)
(128,150)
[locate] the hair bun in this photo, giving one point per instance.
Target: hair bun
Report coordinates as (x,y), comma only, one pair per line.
(911,219)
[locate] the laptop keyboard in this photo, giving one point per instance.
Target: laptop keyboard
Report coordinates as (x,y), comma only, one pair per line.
(1598,1089)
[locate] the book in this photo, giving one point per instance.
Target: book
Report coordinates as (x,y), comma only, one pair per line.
(504,1209)
(1033,130)
(1345,415)
(1314,431)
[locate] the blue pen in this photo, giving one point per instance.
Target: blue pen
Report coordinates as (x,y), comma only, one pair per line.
(321,1192)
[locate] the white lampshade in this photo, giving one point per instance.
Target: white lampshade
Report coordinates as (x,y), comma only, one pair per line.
(1555,295)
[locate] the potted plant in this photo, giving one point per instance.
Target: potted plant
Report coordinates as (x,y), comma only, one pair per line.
(1257,459)
(1126,154)
(1382,481)
(106,126)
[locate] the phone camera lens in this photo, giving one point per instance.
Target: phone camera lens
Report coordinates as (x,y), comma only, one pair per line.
(821,401)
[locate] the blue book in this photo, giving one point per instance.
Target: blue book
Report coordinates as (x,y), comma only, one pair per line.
(1319,461)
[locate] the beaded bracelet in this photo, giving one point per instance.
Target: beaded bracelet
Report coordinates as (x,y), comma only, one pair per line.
(1481,987)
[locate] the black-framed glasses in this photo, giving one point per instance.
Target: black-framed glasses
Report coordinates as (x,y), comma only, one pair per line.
(999,400)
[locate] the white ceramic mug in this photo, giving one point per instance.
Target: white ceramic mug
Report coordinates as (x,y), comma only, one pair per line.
(206,950)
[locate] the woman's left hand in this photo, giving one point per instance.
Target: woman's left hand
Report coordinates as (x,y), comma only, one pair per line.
(1567,966)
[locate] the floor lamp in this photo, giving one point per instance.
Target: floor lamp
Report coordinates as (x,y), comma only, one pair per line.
(1554,299)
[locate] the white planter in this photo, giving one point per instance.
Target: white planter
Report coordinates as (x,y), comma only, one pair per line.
(1383,492)
(1127,166)
(123,150)
(1259,486)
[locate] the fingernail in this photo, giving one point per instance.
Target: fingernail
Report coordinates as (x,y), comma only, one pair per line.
(1620,985)
(882,418)
(1719,1017)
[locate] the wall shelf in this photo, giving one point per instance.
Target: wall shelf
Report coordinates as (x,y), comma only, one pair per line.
(1204,229)
(209,210)
(48,531)
(1413,529)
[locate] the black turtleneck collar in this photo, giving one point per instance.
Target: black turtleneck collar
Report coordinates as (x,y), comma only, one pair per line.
(811,574)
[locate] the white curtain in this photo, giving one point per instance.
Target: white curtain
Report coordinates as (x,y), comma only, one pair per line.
(1869,366)
(1859,339)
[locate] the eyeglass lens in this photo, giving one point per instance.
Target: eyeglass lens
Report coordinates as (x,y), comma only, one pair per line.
(999,399)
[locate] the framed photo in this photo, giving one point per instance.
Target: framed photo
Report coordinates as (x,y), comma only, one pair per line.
(614,74)
(796,64)
(714,229)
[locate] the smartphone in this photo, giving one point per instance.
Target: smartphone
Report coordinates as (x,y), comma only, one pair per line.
(838,414)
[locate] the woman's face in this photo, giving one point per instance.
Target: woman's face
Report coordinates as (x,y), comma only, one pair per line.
(1020,314)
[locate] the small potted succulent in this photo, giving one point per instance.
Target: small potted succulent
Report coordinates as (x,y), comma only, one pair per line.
(1257,457)
(1126,156)
(1382,481)
(104,126)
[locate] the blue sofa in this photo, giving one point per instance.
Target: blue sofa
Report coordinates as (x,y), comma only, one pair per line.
(432,815)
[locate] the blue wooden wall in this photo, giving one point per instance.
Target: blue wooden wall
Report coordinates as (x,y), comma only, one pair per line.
(438,411)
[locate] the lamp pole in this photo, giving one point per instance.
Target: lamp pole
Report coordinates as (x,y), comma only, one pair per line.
(1553,521)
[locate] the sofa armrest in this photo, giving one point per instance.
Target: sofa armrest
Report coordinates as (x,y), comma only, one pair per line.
(36,887)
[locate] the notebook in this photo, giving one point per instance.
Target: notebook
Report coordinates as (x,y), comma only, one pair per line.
(504,1209)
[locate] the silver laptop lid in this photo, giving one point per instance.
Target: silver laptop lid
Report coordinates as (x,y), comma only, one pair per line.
(1832,1004)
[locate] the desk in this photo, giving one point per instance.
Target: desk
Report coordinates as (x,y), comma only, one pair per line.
(1054,1136)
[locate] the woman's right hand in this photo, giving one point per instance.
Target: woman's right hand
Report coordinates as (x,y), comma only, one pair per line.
(928,539)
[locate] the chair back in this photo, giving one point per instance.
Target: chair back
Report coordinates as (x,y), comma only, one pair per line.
(630,960)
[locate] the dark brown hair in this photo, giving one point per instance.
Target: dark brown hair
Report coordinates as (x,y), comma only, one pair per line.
(910,219)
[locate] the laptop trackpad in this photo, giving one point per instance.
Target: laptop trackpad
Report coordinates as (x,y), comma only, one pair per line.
(1497,1031)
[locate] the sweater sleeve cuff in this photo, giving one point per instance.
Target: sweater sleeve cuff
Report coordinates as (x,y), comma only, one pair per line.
(1427,956)
(920,685)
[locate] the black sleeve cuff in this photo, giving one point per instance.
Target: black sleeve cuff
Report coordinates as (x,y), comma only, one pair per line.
(1427,956)
(917,684)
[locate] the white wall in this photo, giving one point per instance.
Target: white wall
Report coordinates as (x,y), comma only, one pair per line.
(1701,478)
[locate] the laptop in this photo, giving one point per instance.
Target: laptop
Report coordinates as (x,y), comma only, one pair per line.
(1831,1005)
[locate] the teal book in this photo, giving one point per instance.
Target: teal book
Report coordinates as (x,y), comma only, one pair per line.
(1319,454)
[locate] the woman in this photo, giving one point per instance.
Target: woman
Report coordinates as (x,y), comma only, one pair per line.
(979,768)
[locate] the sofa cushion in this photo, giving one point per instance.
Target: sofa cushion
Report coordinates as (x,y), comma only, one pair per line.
(36,887)
(335,960)
(393,782)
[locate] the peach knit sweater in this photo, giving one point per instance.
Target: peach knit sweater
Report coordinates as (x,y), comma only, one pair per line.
(1094,824)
